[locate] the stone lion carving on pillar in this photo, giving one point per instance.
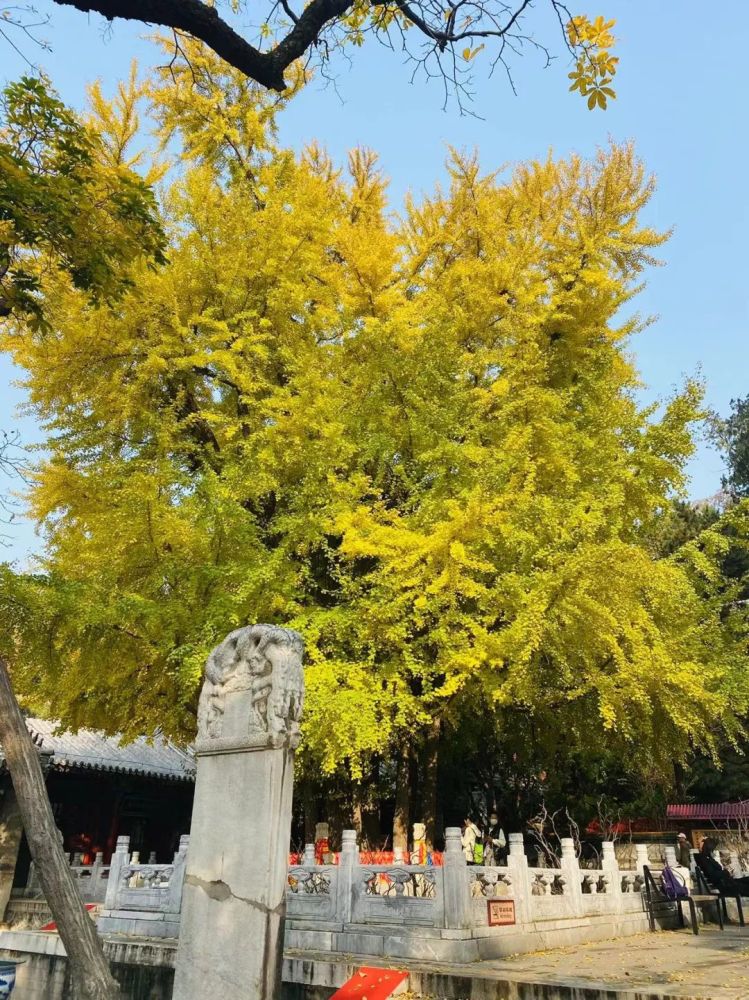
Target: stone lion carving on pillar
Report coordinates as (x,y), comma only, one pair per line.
(253,689)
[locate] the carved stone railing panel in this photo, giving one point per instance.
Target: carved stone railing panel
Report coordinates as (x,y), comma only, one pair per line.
(311,882)
(489,883)
(401,894)
(312,892)
(416,883)
(595,883)
(548,882)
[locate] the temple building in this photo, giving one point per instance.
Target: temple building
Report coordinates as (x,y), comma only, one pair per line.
(100,788)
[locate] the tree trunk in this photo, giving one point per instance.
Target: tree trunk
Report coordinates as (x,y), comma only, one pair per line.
(402,799)
(89,969)
(430,765)
(309,809)
(357,810)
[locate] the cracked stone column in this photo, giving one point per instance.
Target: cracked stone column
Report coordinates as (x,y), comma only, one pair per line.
(233,904)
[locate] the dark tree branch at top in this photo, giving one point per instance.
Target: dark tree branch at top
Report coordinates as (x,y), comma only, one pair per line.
(440,24)
(202,22)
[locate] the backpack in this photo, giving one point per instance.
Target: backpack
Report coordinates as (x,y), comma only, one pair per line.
(478,853)
(673,885)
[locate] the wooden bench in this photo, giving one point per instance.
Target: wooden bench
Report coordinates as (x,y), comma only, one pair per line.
(656,898)
(706,885)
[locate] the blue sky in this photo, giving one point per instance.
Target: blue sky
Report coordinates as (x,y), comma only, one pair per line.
(682,89)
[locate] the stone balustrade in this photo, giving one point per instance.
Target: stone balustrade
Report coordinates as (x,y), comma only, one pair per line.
(144,898)
(361,908)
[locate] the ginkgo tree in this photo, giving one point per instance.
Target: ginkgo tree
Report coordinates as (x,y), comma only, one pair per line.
(416,440)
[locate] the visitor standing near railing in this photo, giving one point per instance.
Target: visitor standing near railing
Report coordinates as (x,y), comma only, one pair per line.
(495,843)
(470,840)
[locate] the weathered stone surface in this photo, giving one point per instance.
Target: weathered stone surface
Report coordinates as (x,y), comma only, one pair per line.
(237,864)
(253,691)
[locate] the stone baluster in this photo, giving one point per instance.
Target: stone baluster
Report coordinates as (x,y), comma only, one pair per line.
(517,866)
(76,860)
(570,865)
(670,856)
(455,888)
(348,871)
(173,902)
(152,858)
(135,859)
(308,858)
(642,858)
(545,880)
(591,881)
(120,859)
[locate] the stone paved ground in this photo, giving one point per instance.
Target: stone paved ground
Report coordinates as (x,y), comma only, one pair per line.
(711,966)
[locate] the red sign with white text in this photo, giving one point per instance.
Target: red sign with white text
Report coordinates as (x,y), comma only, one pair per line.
(500,912)
(370,984)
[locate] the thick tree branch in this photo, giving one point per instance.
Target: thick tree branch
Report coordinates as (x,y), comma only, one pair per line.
(202,22)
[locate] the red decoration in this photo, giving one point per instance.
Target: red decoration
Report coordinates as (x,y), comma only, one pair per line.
(370,984)
(52,926)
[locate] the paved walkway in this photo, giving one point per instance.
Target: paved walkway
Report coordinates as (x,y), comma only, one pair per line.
(668,964)
(712,965)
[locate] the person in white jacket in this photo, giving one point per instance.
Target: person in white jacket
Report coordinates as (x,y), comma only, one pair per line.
(471,834)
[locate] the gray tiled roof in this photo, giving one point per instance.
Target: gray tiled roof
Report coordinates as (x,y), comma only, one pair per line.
(92,750)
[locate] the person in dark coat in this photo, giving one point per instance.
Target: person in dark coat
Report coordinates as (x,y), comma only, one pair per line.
(716,874)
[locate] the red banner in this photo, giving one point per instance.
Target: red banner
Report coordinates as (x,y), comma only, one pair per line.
(370,984)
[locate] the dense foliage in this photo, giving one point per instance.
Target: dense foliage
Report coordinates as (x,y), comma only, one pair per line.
(67,200)
(416,439)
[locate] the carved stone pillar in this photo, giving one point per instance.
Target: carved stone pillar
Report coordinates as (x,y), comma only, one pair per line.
(233,904)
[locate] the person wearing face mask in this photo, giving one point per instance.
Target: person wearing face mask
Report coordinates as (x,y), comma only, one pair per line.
(495,843)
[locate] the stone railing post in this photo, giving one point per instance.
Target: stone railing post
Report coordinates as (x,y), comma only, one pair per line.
(610,866)
(570,865)
(520,879)
(97,887)
(642,859)
(177,881)
(347,870)
(120,859)
(455,888)
(670,856)
(308,858)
